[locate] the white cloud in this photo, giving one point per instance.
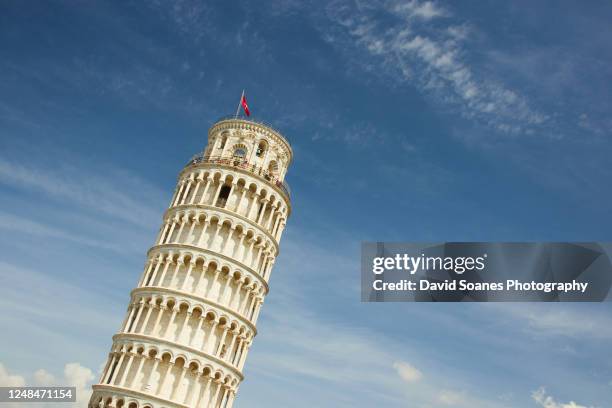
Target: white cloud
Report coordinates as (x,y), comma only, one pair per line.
(80,377)
(407,372)
(42,377)
(10,380)
(546,401)
(75,375)
(451,398)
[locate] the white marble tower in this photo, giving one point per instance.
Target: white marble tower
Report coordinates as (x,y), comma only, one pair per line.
(193,315)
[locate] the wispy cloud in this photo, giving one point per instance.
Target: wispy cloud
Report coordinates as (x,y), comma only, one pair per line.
(426,10)
(122,197)
(561,321)
(547,401)
(20,225)
(69,309)
(286,350)
(301,343)
(420,43)
(407,372)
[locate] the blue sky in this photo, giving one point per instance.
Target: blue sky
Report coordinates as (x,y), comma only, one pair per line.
(410,121)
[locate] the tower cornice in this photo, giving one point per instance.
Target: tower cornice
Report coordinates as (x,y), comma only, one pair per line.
(214,210)
(137,394)
(256,126)
(156,249)
(156,290)
(156,341)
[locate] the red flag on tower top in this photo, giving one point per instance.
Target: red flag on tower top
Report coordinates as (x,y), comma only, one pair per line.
(244,104)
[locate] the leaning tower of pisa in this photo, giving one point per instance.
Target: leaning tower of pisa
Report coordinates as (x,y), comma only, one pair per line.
(192,318)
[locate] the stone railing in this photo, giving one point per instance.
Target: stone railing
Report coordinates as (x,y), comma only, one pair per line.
(242,164)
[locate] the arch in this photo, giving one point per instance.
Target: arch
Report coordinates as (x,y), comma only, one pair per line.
(158,301)
(229,178)
(200,217)
(262,146)
(184,306)
(199,260)
(252,187)
(186,258)
(240,228)
(217,175)
(241,182)
(180,361)
(224,137)
(239,151)
(214,217)
(213,264)
(250,234)
(167,357)
(201,175)
(223,195)
(273,168)
(198,311)
(211,316)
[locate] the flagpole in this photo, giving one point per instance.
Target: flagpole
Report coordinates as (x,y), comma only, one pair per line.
(239,103)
